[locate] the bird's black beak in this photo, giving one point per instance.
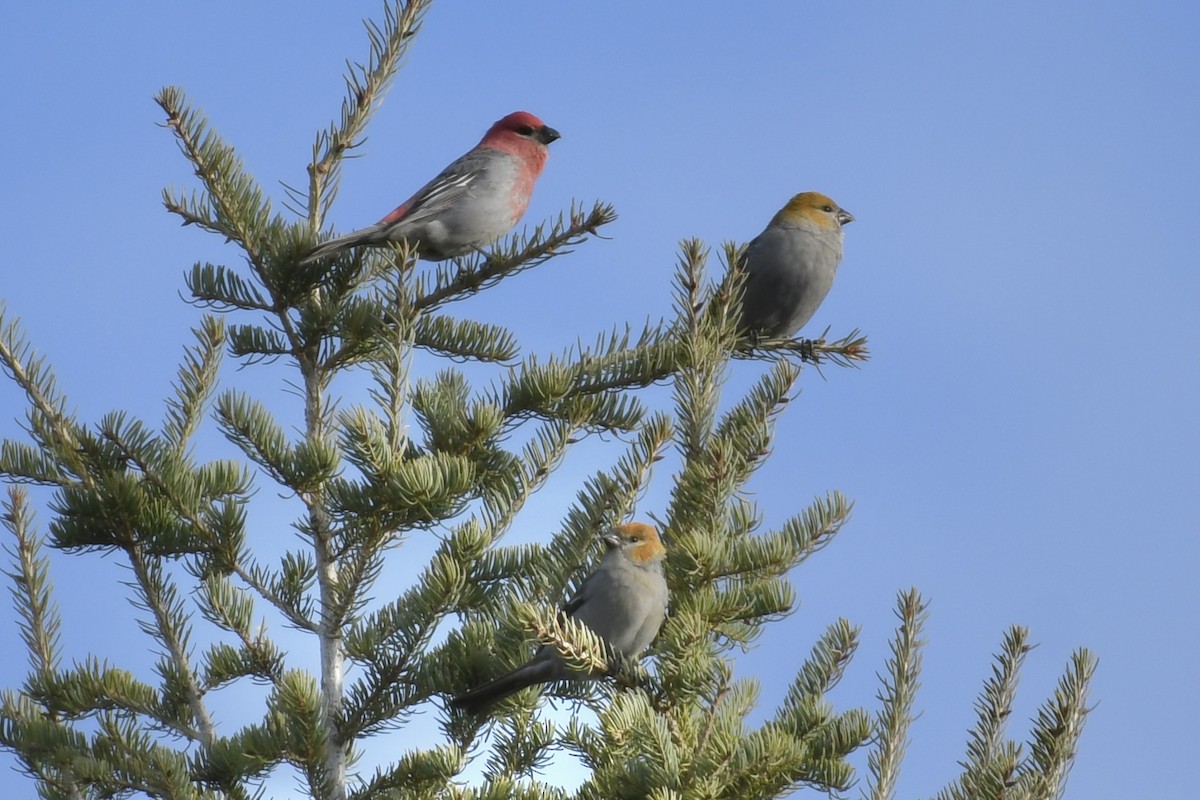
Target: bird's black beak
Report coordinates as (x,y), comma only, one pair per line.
(844,217)
(547,134)
(611,540)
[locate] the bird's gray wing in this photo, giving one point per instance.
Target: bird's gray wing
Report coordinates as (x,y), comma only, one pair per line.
(433,198)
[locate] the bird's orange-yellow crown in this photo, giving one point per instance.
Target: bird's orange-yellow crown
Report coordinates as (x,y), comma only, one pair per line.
(815,207)
(641,541)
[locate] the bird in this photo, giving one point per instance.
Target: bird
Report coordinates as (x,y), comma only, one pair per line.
(790,266)
(624,602)
(474,201)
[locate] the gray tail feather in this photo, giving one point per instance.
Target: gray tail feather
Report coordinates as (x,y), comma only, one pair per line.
(336,245)
(481,698)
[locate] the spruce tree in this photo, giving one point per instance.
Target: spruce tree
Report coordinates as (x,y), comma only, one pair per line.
(438,454)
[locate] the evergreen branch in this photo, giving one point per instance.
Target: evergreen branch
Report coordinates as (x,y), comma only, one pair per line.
(659,354)
(366,84)
(249,753)
(220,288)
(709,714)
(806,727)
(748,425)
(40,622)
(616,364)
(580,385)
(382,697)
(424,773)
(708,514)
(464,277)
(495,787)
(329,756)
(159,597)
(187,491)
(778,552)
(521,747)
(579,647)
(731,452)
(465,339)
(600,413)
(141,492)
(284,593)
(735,610)
(258,659)
(192,211)
(124,759)
(992,761)
(93,686)
(503,499)
(848,351)
(292,731)
(820,672)
(259,343)
(358,568)
(816,526)
(392,392)
(180,687)
(416,492)
(193,387)
(898,694)
(23,463)
(706,337)
(382,327)
(225,606)
(773,760)
(393,640)
(231,609)
(349,332)
(117,762)
(47,415)
(1056,731)
(102,514)
(247,423)
(240,212)
(367,444)
(48,750)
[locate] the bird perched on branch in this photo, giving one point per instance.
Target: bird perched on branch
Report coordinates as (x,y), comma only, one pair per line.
(623,602)
(790,266)
(474,201)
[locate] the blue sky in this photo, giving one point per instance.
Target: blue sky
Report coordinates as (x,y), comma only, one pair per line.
(1022,446)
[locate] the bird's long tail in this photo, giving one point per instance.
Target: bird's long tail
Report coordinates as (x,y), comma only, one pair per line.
(335,246)
(481,698)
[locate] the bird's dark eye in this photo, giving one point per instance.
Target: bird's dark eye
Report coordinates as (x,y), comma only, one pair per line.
(525,130)
(827,209)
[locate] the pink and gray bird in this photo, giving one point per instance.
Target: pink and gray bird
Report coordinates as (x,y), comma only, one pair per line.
(624,602)
(790,265)
(474,201)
